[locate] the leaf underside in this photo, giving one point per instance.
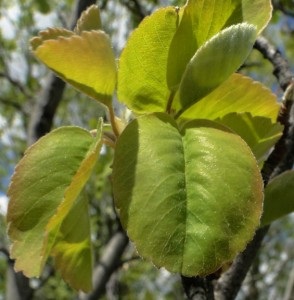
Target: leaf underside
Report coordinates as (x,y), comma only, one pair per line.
(43,190)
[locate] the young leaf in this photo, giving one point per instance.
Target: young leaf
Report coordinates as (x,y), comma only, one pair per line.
(42,192)
(208,17)
(189,198)
(215,62)
(279,198)
(201,20)
(142,82)
(258,132)
(237,94)
(86,61)
(89,20)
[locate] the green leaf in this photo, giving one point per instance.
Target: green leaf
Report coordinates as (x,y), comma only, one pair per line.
(43,190)
(215,62)
(72,249)
(279,198)
(142,82)
(208,17)
(86,61)
(201,20)
(189,198)
(237,94)
(89,20)
(258,132)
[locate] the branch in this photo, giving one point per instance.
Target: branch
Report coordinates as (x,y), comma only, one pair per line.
(282,70)
(15,83)
(109,262)
(44,111)
(135,7)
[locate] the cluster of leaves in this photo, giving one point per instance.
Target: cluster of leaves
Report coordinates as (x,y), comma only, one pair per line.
(186,170)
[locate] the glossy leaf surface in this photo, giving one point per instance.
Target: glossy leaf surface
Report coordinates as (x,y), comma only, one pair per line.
(43,190)
(86,61)
(215,62)
(237,94)
(189,198)
(279,198)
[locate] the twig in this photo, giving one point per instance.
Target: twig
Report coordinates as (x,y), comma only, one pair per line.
(281,66)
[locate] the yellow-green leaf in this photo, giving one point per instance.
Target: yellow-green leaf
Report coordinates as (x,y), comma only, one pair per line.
(237,94)
(86,61)
(200,20)
(214,62)
(142,84)
(258,132)
(89,20)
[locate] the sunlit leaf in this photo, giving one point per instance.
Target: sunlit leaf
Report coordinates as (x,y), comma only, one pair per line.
(215,62)
(142,82)
(279,198)
(43,190)
(208,17)
(89,20)
(189,198)
(237,94)
(258,132)
(201,20)
(86,61)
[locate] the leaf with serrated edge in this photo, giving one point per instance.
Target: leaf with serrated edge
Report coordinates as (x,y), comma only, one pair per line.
(237,94)
(43,188)
(189,198)
(278,198)
(214,62)
(49,34)
(258,132)
(72,249)
(86,61)
(89,20)
(142,82)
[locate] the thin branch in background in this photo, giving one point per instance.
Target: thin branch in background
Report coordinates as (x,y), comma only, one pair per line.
(281,66)
(135,7)
(11,103)
(280,6)
(15,83)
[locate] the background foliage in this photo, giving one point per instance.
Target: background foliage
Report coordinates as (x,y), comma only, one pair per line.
(23,83)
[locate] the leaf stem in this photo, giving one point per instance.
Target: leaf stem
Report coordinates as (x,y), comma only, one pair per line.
(112,120)
(170,102)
